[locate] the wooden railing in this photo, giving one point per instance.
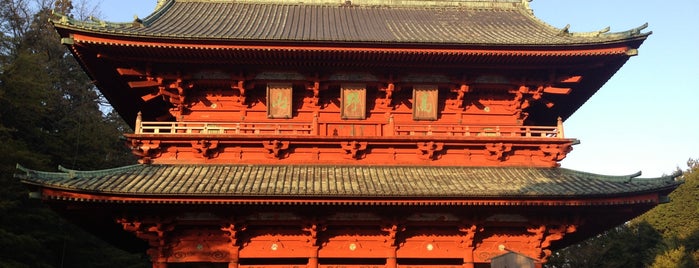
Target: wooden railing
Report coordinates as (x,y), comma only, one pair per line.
(313,128)
(184,128)
(477,131)
(225,128)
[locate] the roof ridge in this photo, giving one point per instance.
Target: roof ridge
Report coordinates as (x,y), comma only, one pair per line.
(626,178)
(99,172)
(604,32)
(66,173)
(373,3)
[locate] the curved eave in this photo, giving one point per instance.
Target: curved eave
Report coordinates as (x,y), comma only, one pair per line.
(195,42)
(468,23)
(654,197)
(343,185)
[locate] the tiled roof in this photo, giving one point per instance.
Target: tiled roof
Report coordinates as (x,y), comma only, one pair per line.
(327,181)
(466,22)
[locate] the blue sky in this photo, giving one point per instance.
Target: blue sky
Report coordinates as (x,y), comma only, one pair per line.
(644,118)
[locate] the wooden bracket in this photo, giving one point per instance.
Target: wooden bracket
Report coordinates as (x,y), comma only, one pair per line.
(388,97)
(313,228)
(145,149)
(542,236)
(232,230)
(427,150)
(554,152)
(153,233)
(498,151)
(353,149)
(469,234)
(240,86)
(275,147)
(314,100)
(458,102)
(392,231)
(205,148)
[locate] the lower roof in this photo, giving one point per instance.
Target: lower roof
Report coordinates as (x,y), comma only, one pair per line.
(334,182)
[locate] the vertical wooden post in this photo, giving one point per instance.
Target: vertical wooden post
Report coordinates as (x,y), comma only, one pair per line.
(314,125)
(233,263)
(559,128)
(137,126)
(468,258)
(392,260)
(313,259)
(391,127)
(156,256)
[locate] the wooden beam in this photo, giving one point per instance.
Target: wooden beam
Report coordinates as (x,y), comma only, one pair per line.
(557,90)
(570,79)
(150,97)
(139,84)
(129,72)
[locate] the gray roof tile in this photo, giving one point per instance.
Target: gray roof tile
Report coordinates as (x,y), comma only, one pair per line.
(344,181)
(470,22)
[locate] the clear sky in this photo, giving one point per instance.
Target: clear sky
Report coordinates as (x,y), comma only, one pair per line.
(645,118)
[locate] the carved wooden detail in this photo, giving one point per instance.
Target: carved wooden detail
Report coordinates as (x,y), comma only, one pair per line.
(154,233)
(231,232)
(239,85)
(392,231)
(554,152)
(498,151)
(542,236)
(458,102)
(275,148)
(314,99)
(386,101)
(205,148)
(145,149)
(353,149)
(428,150)
(313,228)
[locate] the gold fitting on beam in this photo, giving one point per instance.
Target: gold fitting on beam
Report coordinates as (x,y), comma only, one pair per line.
(67,41)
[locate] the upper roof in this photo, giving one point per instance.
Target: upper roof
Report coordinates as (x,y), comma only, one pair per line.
(230,183)
(459,22)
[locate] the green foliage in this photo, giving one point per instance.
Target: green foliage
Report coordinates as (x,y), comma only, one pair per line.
(664,237)
(631,245)
(49,115)
(676,257)
(679,217)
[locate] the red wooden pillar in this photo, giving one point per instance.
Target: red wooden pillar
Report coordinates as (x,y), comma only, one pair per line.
(313,258)
(468,258)
(392,260)
(233,263)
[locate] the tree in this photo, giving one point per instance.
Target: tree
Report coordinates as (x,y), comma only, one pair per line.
(666,236)
(49,115)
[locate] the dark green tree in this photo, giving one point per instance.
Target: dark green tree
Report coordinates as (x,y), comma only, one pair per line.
(678,222)
(50,114)
(664,237)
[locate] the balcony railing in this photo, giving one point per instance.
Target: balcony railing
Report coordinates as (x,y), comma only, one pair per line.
(478,131)
(224,128)
(315,128)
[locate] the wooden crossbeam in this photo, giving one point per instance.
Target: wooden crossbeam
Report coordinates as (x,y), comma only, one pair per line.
(139,84)
(570,79)
(129,72)
(557,90)
(150,97)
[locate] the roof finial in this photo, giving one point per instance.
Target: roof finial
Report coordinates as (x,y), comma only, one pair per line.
(160,4)
(564,31)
